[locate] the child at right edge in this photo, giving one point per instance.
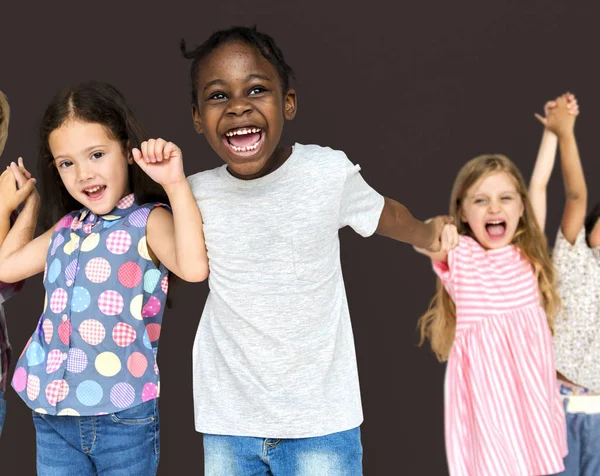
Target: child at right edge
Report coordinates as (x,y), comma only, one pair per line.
(576,256)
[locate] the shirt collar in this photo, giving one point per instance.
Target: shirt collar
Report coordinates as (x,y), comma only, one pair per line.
(86,216)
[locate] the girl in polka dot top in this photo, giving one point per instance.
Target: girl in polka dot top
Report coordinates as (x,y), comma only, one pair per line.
(122,216)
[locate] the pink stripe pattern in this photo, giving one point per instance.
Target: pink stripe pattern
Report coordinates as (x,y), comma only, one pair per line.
(503,413)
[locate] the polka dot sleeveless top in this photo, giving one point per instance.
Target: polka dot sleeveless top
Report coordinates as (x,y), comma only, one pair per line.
(94,349)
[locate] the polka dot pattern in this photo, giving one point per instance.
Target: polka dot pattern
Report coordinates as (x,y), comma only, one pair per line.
(151,279)
(122,395)
(152,307)
(81,299)
(98,270)
(149,392)
(33,387)
(107,362)
(137,364)
(92,331)
(130,275)
(77,361)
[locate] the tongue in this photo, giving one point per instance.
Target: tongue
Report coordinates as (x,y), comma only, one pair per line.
(495,230)
(244,140)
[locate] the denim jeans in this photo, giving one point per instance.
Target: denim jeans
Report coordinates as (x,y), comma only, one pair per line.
(583,438)
(2,410)
(126,443)
(338,454)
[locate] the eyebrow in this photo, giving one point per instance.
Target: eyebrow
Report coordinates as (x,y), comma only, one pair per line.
(87,150)
(250,77)
(511,192)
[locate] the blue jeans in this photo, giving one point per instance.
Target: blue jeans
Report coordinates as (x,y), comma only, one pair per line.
(126,443)
(2,410)
(583,438)
(338,454)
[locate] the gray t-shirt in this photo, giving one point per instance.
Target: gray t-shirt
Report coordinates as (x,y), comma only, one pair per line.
(274,352)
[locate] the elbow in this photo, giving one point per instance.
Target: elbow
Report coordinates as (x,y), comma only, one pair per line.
(576,196)
(195,276)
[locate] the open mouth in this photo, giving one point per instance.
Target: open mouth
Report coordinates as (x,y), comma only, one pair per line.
(496,229)
(96,192)
(244,140)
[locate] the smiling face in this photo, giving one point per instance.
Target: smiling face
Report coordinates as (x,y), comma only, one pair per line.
(91,164)
(492,208)
(242,108)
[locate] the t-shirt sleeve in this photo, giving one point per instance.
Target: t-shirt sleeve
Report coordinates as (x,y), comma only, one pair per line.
(570,260)
(360,206)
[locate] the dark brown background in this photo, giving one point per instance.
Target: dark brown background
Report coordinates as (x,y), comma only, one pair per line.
(410,91)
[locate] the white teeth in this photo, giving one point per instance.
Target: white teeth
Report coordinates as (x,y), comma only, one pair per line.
(241,132)
(498,222)
(244,149)
(92,190)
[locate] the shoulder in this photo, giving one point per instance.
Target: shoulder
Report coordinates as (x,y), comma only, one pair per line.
(320,155)
(204,180)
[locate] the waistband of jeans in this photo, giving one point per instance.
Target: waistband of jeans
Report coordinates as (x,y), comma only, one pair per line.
(589,404)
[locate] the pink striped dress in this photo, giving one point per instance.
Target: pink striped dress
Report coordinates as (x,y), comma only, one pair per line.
(503,413)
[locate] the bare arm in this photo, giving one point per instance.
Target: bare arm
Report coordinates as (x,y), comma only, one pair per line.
(434,238)
(176,240)
(21,256)
(575,188)
(542,170)
(562,123)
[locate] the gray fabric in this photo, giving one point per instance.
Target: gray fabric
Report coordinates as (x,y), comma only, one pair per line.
(274,352)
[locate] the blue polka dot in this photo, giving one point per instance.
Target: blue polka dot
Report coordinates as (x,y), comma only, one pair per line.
(35,354)
(89,393)
(54,271)
(109,223)
(146,340)
(151,279)
(81,299)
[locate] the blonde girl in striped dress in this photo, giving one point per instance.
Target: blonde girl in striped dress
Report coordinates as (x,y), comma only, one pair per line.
(491,319)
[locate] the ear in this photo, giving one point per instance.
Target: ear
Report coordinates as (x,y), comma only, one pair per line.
(196,119)
(290,105)
(129,156)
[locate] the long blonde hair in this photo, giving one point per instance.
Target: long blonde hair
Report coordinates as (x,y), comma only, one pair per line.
(4,118)
(438,324)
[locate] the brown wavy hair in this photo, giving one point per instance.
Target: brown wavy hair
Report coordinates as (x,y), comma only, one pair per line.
(4,118)
(438,324)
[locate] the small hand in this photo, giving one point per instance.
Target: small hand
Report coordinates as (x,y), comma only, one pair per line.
(16,186)
(445,233)
(161,160)
(572,107)
(561,118)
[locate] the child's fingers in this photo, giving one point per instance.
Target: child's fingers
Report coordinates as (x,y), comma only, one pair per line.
(19,175)
(151,157)
(25,190)
(138,156)
(159,146)
(543,120)
(170,150)
(144,147)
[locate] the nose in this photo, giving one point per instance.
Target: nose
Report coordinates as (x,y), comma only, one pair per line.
(84,172)
(239,107)
(494,206)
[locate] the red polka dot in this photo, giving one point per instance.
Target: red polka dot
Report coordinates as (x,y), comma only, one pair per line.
(64,332)
(153,332)
(137,364)
(130,275)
